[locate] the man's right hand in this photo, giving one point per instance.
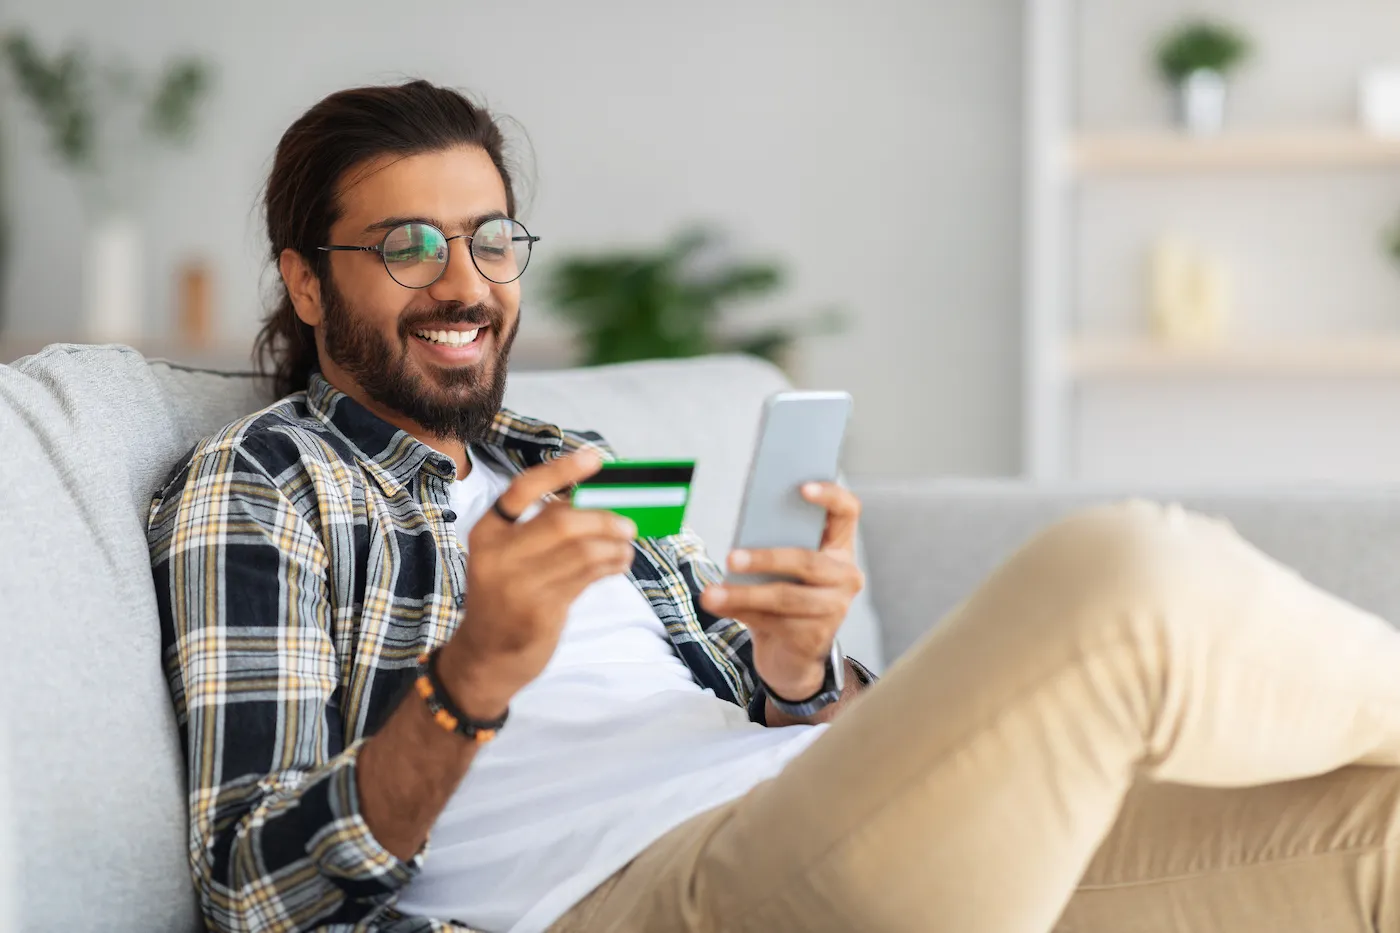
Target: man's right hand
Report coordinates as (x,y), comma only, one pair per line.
(521,580)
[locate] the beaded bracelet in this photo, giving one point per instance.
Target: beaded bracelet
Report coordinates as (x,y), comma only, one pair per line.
(445,712)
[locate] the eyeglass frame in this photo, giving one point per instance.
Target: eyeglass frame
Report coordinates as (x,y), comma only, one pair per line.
(379,248)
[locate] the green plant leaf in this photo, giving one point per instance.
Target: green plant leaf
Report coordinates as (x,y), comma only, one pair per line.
(663,302)
(171,115)
(59,93)
(1200,44)
(1392,241)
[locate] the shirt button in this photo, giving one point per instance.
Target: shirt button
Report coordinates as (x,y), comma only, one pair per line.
(449,515)
(458,600)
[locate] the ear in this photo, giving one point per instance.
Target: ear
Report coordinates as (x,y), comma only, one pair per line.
(302,285)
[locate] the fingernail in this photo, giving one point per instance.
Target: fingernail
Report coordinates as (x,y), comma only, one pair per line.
(717,595)
(739,560)
(627,526)
(812,489)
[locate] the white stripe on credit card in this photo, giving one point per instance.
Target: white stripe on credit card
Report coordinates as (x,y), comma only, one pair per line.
(629,497)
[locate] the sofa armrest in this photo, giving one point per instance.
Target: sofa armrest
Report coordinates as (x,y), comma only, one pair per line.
(9,854)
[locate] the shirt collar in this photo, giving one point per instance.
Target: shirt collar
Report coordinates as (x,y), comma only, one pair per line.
(394,457)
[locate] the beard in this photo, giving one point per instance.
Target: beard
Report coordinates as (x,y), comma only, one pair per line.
(460,403)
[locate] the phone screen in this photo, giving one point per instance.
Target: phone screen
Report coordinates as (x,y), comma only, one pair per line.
(799,441)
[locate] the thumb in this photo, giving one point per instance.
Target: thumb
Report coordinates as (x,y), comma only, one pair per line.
(538,481)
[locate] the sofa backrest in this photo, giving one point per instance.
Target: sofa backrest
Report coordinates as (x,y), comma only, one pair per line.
(932,543)
(86,436)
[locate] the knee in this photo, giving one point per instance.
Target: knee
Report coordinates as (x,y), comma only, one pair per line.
(1130,555)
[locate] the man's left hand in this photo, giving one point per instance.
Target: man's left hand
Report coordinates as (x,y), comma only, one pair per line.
(793,625)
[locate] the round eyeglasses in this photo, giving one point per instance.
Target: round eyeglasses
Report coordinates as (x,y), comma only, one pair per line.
(415,253)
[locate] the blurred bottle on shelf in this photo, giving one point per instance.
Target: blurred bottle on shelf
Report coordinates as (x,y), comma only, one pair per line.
(1190,294)
(195,320)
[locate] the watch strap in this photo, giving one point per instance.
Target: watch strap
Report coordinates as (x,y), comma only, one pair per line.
(826,695)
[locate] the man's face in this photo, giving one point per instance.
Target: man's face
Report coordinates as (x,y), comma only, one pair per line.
(377,333)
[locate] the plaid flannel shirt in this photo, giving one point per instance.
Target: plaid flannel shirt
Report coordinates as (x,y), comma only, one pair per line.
(304,557)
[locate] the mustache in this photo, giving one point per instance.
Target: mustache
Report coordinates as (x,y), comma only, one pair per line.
(449,313)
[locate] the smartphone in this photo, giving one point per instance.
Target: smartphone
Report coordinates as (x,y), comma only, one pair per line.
(799,441)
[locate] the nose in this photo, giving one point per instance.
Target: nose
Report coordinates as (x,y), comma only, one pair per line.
(460,281)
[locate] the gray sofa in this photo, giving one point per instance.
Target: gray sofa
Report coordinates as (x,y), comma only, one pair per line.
(92,832)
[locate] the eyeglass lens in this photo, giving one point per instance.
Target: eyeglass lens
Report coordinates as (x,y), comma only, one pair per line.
(416,253)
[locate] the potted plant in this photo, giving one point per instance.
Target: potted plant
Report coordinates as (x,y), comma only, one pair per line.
(100,118)
(1197,58)
(669,302)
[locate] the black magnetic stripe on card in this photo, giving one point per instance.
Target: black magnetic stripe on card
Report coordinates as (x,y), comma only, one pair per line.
(631,476)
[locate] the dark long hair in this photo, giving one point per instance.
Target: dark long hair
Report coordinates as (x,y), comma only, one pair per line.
(340,132)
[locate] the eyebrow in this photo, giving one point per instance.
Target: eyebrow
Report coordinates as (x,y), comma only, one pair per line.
(469,223)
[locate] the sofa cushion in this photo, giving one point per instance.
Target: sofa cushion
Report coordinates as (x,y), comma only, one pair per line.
(96,764)
(89,433)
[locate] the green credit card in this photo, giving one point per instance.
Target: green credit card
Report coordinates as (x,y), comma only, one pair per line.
(653,493)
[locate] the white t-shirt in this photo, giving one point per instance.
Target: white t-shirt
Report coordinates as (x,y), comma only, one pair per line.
(613,745)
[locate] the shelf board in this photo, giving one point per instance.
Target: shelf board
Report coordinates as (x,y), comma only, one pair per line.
(1090,358)
(1162,152)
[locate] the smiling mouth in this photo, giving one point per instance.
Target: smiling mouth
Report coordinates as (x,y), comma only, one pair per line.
(448,338)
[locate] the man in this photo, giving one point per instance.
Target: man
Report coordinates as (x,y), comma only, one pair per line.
(381,626)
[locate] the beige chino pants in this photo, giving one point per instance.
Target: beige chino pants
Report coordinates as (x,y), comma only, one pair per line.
(1139,723)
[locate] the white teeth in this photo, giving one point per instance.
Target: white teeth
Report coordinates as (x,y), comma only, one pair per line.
(451,338)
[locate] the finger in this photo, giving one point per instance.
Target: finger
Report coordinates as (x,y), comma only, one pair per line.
(790,600)
(806,635)
(559,522)
(539,481)
(572,569)
(811,567)
(842,513)
(584,558)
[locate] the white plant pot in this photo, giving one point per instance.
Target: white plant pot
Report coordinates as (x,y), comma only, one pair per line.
(1200,101)
(112,281)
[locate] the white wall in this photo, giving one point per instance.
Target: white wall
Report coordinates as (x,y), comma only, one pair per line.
(787,122)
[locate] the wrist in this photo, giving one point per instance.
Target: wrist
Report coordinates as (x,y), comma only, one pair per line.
(796,687)
(805,699)
(473,687)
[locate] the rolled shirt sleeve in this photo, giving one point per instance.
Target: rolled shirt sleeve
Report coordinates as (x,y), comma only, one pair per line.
(277,839)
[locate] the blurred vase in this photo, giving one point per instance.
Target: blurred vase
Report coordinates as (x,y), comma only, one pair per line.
(1191,295)
(112,280)
(1200,102)
(194,325)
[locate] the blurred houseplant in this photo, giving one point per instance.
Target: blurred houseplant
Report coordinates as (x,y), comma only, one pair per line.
(669,302)
(1196,58)
(101,119)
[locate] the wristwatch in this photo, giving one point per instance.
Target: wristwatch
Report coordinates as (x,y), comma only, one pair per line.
(827,694)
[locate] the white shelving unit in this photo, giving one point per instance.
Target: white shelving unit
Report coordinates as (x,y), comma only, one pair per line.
(1088,359)
(1072,376)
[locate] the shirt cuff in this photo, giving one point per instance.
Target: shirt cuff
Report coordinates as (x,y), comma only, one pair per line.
(344,849)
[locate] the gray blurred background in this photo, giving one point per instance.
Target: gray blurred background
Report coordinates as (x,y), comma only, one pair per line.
(997,317)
